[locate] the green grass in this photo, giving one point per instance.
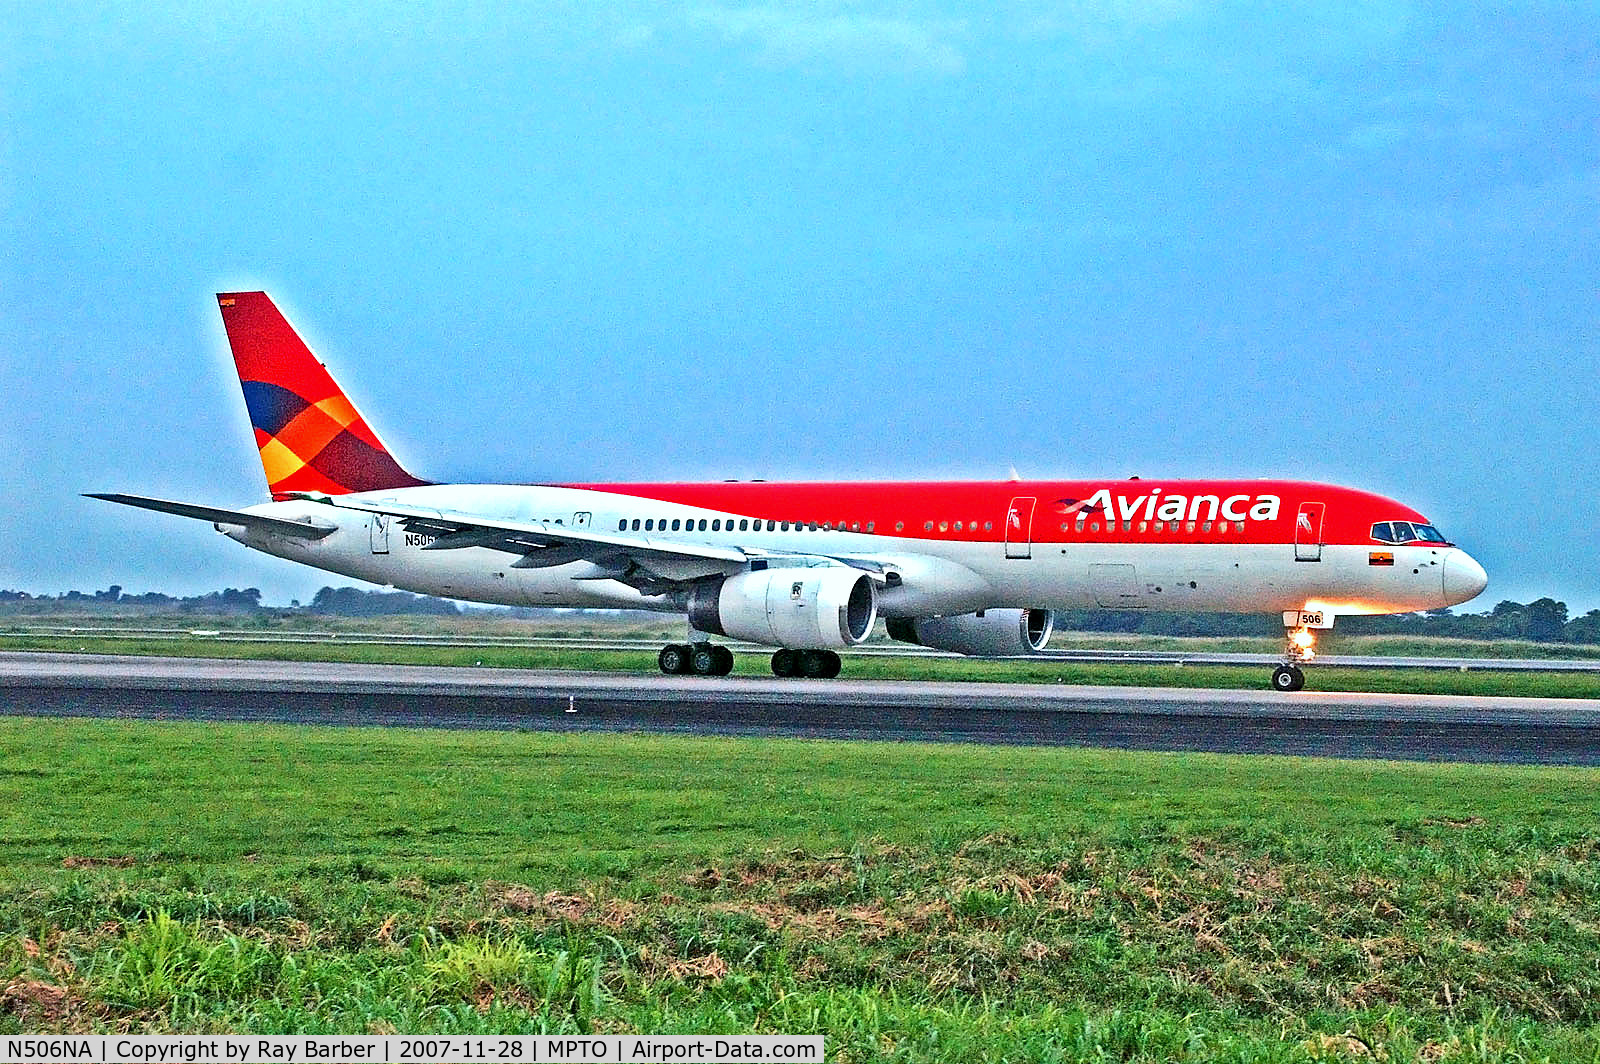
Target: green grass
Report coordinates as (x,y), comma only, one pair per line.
(910,902)
(1416,681)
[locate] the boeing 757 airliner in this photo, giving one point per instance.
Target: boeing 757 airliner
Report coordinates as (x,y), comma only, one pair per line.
(972,567)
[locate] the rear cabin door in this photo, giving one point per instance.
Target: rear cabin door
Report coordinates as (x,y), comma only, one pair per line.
(1019,527)
(380,533)
(1308,532)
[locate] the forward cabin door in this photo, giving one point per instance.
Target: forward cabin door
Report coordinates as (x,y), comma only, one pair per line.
(1308,532)
(1019,527)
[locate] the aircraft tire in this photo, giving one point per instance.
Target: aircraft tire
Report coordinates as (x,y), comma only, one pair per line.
(814,664)
(784,664)
(1288,678)
(704,659)
(724,661)
(673,659)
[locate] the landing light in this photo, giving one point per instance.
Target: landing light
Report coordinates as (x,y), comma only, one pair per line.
(1303,640)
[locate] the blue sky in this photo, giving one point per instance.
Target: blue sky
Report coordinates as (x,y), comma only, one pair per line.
(1350,242)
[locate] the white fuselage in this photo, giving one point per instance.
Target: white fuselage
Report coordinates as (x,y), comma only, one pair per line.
(938,576)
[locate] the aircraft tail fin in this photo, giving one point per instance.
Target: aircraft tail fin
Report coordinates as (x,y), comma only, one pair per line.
(310,436)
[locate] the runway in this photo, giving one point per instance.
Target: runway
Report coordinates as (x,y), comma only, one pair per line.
(1415,727)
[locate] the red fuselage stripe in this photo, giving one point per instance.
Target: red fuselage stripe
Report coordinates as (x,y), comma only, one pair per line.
(979,512)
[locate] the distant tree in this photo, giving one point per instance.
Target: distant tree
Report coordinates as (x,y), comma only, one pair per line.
(1585,629)
(1545,619)
(353,602)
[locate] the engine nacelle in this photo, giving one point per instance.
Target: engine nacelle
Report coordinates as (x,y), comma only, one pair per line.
(800,609)
(985,634)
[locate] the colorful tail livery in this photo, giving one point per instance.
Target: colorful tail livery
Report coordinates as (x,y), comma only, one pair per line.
(310,436)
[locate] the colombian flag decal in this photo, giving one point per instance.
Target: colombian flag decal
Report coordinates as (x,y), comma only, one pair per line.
(1380,557)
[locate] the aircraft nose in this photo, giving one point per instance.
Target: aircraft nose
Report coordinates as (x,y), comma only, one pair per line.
(1464,578)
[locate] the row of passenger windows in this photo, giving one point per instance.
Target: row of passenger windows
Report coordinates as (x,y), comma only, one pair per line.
(745,524)
(1221,527)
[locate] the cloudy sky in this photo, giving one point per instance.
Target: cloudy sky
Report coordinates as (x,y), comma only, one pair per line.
(1354,242)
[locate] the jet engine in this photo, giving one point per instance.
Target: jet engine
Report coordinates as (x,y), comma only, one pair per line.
(800,609)
(985,634)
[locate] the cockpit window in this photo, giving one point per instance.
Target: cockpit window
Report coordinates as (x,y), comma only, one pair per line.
(1405,532)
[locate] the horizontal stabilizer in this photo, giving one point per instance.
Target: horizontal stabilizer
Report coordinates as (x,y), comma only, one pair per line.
(278,525)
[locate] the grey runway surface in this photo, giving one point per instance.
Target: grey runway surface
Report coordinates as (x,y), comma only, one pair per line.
(1418,727)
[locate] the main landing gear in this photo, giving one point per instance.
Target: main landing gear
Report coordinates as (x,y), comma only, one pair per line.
(709,659)
(812,664)
(701,659)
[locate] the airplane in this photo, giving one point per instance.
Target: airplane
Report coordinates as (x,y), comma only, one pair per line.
(975,568)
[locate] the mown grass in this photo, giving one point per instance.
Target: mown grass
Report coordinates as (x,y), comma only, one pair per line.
(1398,681)
(910,902)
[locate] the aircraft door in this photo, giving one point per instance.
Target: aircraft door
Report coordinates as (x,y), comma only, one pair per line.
(1116,586)
(1308,532)
(1019,527)
(380,533)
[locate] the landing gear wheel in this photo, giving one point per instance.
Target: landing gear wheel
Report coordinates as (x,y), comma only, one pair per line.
(673,659)
(724,661)
(814,664)
(704,659)
(1288,678)
(785,664)
(834,665)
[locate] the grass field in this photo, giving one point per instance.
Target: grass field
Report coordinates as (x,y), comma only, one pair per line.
(1418,681)
(656,627)
(911,902)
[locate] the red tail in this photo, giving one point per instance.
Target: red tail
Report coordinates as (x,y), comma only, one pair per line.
(311,437)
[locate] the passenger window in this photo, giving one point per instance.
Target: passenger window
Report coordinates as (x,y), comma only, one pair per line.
(716,524)
(1238,526)
(871,525)
(772,526)
(744,524)
(927,526)
(958,526)
(944,526)
(622,525)
(1188,526)
(1094,526)
(650,525)
(784,526)
(988,526)
(636,524)
(1079,522)
(1144,526)
(1160,526)
(675,524)
(1206,527)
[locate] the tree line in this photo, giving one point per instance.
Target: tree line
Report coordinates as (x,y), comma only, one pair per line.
(1543,620)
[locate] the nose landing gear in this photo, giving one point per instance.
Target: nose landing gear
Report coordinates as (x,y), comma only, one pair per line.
(1300,643)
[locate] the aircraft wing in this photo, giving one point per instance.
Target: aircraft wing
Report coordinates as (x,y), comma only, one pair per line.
(545,543)
(216,515)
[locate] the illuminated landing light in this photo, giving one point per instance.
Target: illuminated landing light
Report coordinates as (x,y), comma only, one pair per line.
(1302,641)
